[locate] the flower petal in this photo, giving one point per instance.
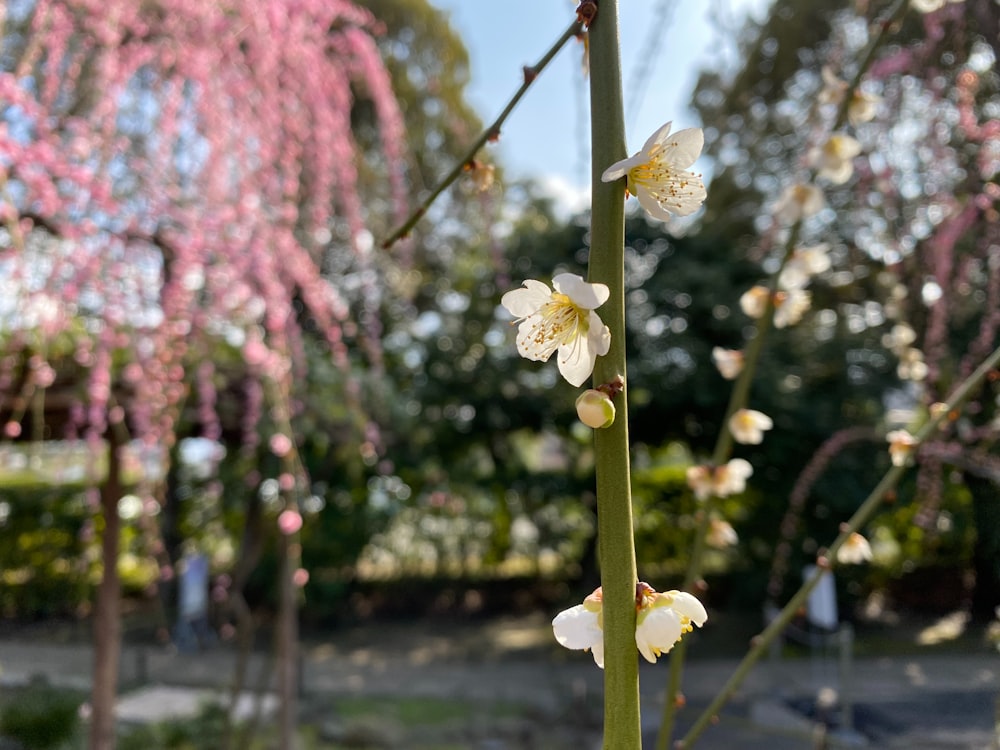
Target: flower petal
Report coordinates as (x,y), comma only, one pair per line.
(685,147)
(524,302)
(578,628)
(657,632)
(649,202)
(599,335)
(655,140)
(621,168)
(688,606)
(583,294)
(576,361)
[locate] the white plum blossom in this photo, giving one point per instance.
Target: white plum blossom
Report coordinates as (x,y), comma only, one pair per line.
(834,88)
(595,408)
(855,550)
(721,534)
(748,426)
(661,620)
(901,444)
(834,160)
(753,302)
(658,175)
(797,202)
(562,320)
(790,306)
(719,481)
(731,478)
(728,361)
(805,263)
(862,107)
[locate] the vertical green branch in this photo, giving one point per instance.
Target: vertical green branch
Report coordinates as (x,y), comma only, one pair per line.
(616,544)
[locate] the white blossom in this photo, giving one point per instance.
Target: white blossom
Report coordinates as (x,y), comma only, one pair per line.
(854,551)
(748,426)
(721,534)
(728,361)
(658,175)
(797,202)
(562,320)
(661,620)
(806,262)
(862,107)
(901,444)
(834,160)
(790,306)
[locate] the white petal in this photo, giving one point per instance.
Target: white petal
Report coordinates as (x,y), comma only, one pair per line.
(527,345)
(585,295)
(599,335)
(655,140)
(648,201)
(598,651)
(621,168)
(685,147)
(576,361)
(660,629)
(523,302)
(577,628)
(740,467)
(689,607)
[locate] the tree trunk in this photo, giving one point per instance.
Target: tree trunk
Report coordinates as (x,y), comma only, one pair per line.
(288,637)
(107,614)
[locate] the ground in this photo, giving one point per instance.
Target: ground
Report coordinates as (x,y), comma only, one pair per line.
(502,684)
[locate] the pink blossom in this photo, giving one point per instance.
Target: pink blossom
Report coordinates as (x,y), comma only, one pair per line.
(289,522)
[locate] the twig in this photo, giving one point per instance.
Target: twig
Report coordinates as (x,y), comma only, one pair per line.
(490,133)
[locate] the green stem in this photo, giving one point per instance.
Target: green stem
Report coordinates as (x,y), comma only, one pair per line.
(827,560)
(616,545)
(490,133)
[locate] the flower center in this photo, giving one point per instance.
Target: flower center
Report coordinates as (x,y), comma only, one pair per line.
(559,322)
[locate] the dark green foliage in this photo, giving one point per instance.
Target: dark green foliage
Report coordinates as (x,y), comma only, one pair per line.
(38,716)
(204,732)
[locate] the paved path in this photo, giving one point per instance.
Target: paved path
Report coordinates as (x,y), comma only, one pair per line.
(922,702)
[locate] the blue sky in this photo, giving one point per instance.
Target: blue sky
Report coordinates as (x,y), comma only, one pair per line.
(547,136)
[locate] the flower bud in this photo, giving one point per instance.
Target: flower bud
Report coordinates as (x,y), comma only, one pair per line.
(595,409)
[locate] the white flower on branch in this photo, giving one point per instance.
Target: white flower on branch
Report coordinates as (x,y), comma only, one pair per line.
(797,202)
(721,534)
(562,320)
(805,263)
(719,481)
(658,175)
(748,426)
(901,444)
(729,362)
(661,620)
(854,551)
(834,160)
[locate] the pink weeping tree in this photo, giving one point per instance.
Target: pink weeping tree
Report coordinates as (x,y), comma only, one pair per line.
(175,176)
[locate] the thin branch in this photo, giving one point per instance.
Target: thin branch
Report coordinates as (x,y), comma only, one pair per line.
(489,134)
(826,559)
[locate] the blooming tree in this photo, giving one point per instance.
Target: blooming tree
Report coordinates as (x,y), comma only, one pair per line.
(177,179)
